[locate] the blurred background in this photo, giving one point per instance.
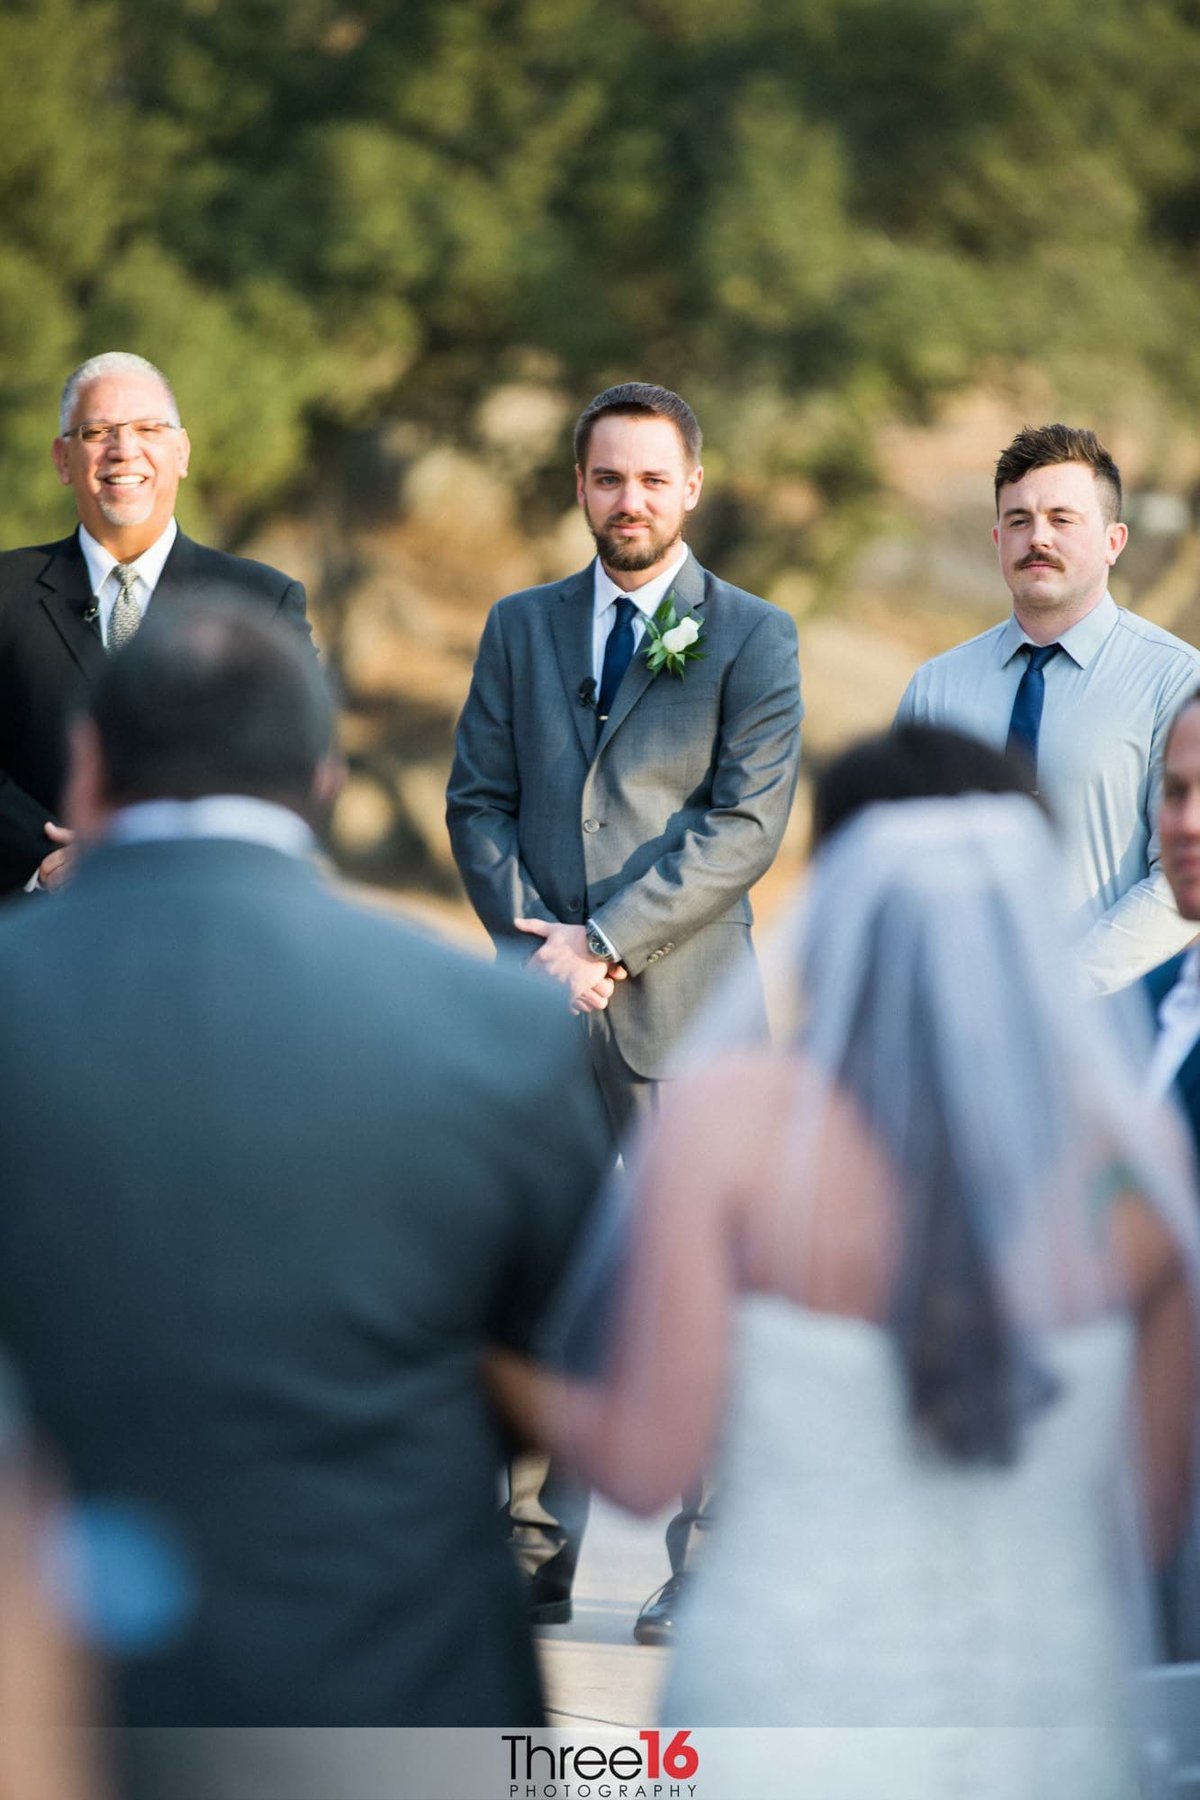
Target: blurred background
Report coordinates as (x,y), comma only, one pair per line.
(386,251)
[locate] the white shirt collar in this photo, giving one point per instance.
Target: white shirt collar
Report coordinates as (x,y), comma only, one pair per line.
(240,816)
(148,566)
(647,599)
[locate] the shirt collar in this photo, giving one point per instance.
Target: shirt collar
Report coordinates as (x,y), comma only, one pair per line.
(240,816)
(1189,973)
(148,566)
(646,598)
(1080,642)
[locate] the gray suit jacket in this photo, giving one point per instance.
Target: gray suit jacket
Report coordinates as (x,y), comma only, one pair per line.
(274,1170)
(655,824)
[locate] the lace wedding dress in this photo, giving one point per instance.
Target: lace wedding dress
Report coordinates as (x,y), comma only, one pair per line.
(947,1631)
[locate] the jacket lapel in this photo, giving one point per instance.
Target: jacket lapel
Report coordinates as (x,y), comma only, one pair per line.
(66,596)
(571,617)
(688,589)
(1158,984)
(1187,1079)
(178,572)
(1187,1083)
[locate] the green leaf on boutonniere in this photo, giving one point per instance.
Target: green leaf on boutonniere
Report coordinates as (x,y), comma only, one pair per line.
(672,642)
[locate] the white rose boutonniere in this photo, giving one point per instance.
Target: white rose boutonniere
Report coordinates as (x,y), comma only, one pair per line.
(671,642)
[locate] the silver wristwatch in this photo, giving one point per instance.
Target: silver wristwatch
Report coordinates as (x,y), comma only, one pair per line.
(598,945)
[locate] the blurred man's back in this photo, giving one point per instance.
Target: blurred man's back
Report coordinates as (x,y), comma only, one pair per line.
(273,1171)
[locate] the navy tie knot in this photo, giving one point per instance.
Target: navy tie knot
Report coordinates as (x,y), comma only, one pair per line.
(1026,721)
(618,652)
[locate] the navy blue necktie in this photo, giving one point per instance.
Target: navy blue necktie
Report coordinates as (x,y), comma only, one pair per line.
(1026,718)
(617,654)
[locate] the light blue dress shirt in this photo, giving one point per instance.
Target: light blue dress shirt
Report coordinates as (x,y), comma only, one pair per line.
(1109,702)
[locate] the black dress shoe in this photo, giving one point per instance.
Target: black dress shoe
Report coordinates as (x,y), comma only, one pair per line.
(547,1602)
(658,1618)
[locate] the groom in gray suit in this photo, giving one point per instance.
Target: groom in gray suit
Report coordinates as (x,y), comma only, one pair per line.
(624,767)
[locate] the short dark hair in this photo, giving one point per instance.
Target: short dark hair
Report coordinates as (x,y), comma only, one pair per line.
(646,398)
(1193,699)
(1044,446)
(210,698)
(910,762)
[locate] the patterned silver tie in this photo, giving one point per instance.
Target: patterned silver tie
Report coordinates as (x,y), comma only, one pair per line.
(126,614)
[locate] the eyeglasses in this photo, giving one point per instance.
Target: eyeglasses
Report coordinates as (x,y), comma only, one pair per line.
(146,431)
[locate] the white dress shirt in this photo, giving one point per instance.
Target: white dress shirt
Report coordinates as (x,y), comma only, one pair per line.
(647,600)
(1110,699)
(243,817)
(147,569)
(1178,1027)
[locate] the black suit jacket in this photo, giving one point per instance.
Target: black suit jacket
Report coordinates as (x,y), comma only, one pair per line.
(274,1170)
(50,644)
(1157,985)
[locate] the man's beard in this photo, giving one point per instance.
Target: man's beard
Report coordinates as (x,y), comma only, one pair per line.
(126,512)
(632,554)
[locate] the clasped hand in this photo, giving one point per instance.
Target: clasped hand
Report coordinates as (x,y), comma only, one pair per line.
(55,868)
(565,957)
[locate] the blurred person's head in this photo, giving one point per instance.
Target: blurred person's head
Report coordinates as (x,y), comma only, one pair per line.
(206,699)
(1179,817)
(910,762)
(1058,525)
(637,476)
(122,450)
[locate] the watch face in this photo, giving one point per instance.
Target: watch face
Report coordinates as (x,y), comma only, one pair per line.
(596,945)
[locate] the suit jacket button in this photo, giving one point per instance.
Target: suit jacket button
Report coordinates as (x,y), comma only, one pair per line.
(574,903)
(591,824)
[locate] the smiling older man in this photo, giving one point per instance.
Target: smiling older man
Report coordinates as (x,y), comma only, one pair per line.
(123,451)
(1082,689)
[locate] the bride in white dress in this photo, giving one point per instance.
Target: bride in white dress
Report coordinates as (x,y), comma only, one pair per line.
(923,1280)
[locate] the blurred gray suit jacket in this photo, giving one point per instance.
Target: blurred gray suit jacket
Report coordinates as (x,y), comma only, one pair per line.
(274,1170)
(655,823)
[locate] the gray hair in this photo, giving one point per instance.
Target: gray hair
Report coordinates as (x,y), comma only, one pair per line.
(110,362)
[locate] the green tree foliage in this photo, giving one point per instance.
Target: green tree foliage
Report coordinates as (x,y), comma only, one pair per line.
(810,214)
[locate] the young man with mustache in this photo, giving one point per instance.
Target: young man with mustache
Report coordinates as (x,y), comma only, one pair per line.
(1082,689)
